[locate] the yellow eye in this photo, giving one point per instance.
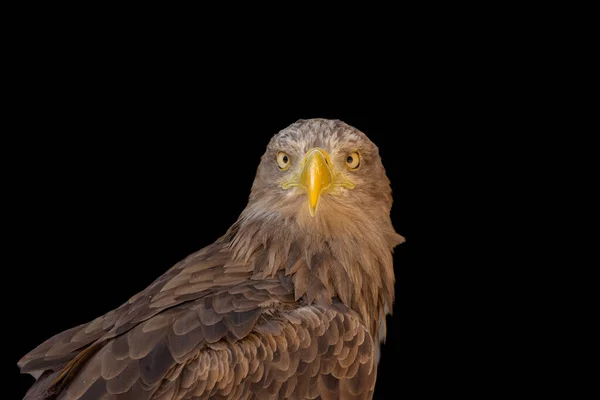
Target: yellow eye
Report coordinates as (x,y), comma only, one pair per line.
(353,160)
(283,160)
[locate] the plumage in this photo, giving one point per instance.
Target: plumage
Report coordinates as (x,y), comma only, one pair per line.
(289,303)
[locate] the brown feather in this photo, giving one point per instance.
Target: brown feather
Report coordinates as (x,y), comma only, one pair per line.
(283,305)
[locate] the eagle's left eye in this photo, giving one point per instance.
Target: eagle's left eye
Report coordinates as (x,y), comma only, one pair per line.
(353,160)
(283,160)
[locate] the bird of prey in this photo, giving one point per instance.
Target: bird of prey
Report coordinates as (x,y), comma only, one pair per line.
(289,303)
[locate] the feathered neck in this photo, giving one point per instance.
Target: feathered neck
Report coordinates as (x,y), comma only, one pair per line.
(347,259)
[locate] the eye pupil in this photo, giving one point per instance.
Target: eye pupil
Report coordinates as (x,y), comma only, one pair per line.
(349,159)
(285,159)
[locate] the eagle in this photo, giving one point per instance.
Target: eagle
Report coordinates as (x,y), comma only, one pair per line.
(290,303)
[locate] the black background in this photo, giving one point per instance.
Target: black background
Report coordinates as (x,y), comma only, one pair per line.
(120,166)
(130,140)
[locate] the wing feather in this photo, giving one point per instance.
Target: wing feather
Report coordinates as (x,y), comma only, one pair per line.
(236,341)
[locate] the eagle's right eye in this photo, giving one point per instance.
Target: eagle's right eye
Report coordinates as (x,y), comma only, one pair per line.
(283,160)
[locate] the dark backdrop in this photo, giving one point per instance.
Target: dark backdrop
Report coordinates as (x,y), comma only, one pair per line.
(123,153)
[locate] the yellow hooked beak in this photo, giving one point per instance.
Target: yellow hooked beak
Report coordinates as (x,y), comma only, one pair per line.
(316,176)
